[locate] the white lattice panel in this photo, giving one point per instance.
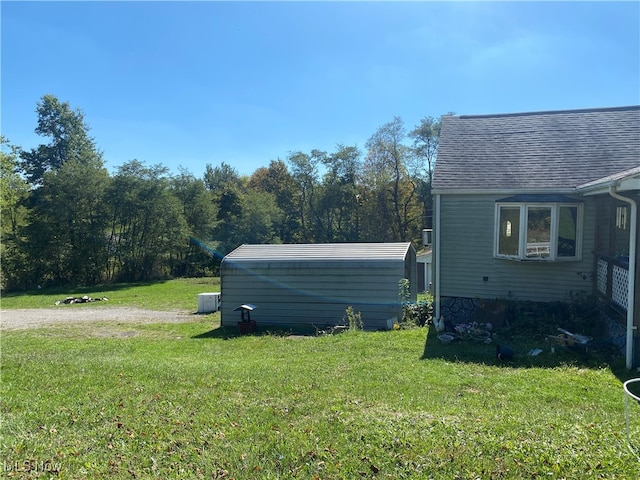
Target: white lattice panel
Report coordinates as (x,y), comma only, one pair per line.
(620,286)
(601,279)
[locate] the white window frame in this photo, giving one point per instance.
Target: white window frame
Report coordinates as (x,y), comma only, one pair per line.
(522,232)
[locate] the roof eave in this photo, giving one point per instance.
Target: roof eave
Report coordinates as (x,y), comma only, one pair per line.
(625,184)
(500,191)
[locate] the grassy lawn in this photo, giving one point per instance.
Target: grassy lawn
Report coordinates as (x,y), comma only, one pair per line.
(192,400)
(179,294)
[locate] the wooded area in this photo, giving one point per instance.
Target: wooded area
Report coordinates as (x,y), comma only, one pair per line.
(67,221)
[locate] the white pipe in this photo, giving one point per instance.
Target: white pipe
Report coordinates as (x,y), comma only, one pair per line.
(632,271)
(438,321)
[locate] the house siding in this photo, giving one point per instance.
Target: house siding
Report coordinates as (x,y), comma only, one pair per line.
(298,292)
(603,235)
(636,313)
(467,258)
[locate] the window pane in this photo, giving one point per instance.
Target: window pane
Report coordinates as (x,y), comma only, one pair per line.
(567,231)
(538,232)
(509,236)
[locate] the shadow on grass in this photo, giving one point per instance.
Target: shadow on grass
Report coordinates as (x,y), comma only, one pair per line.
(226,333)
(221,333)
(468,351)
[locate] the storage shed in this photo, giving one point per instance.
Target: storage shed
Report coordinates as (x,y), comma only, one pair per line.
(425,277)
(313,284)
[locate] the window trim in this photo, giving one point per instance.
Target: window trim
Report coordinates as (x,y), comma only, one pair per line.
(554,230)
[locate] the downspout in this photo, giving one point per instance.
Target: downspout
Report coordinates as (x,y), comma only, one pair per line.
(632,271)
(438,321)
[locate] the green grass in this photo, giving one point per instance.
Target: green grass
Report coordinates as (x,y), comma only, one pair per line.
(192,400)
(178,294)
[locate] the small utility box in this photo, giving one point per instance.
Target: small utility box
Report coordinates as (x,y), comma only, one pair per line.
(208,302)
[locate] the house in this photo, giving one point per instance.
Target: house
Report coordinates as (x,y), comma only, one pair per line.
(539,206)
(425,271)
(313,284)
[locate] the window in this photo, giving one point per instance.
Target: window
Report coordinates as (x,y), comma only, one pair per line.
(538,231)
(621,217)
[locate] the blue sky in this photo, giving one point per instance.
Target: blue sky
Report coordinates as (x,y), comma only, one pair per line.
(191,84)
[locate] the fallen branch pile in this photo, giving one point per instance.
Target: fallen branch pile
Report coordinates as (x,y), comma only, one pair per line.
(84,299)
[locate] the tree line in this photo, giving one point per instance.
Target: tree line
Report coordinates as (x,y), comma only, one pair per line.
(66,221)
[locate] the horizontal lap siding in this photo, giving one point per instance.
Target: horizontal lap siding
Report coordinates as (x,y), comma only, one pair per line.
(303,293)
(466,256)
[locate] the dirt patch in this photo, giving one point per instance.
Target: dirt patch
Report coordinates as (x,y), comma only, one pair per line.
(18,319)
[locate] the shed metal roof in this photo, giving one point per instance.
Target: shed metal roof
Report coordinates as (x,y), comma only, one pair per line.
(539,151)
(320,252)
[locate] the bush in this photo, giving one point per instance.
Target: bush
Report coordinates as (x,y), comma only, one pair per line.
(416,314)
(352,319)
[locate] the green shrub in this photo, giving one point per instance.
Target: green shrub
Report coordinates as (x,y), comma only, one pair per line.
(352,319)
(404,290)
(417,314)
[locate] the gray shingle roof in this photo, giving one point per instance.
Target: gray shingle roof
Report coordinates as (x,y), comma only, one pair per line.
(539,151)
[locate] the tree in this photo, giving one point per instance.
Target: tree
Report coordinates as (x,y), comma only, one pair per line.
(226,187)
(340,195)
(277,180)
(195,201)
(253,221)
(304,169)
(257,222)
(65,235)
(426,138)
(65,238)
(69,136)
(221,177)
(200,216)
(147,225)
(389,182)
(14,192)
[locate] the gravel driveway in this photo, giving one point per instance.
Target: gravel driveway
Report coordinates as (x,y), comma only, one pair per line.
(16,319)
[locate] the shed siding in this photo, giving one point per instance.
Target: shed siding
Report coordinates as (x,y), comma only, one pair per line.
(295,291)
(466,242)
